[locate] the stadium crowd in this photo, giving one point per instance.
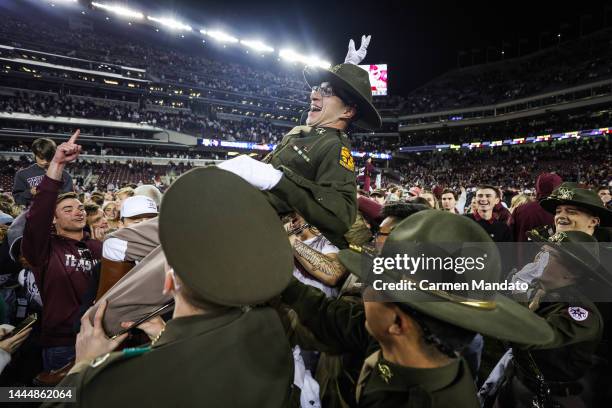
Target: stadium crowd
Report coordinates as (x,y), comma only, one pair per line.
(575,62)
(254,282)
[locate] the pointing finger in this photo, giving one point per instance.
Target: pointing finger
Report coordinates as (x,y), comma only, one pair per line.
(74,136)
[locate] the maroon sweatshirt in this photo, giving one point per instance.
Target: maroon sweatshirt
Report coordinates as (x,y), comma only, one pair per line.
(62,267)
(531,215)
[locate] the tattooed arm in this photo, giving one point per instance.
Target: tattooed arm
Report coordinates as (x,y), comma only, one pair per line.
(325,268)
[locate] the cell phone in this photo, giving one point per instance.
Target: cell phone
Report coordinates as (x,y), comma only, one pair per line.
(156,312)
(23,325)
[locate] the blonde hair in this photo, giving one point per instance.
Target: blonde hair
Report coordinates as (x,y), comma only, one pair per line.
(518,200)
(436,204)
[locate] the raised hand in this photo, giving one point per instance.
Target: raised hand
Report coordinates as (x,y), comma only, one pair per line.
(68,151)
(355,56)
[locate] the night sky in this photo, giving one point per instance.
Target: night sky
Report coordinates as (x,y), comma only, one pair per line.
(419,40)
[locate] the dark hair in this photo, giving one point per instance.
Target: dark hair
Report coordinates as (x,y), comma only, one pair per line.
(66,196)
(600,188)
(402,210)
(91,209)
(44,148)
(420,201)
(445,337)
(488,186)
(449,191)
(97,198)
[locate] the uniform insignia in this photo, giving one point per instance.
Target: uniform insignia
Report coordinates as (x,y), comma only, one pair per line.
(99,360)
(335,68)
(346,159)
(564,193)
(320,131)
(385,372)
(558,237)
(577,313)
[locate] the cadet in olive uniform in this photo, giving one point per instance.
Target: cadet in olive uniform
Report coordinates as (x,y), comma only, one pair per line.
(312,170)
(549,375)
(410,343)
(217,351)
(578,209)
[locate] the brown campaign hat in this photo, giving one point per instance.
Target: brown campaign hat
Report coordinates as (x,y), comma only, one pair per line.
(354,84)
(223,239)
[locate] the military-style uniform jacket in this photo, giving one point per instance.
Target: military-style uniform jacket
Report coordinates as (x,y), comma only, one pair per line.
(233,358)
(341,326)
(319,179)
(578,327)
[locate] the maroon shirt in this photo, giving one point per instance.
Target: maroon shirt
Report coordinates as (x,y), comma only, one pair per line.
(62,267)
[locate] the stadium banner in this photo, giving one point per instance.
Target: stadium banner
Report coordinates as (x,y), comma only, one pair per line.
(378,78)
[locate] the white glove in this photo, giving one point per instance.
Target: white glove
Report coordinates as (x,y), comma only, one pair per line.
(354,56)
(533,270)
(260,175)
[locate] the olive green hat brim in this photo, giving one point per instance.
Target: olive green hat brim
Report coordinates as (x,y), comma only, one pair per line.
(598,271)
(369,118)
(508,320)
(223,239)
(605,216)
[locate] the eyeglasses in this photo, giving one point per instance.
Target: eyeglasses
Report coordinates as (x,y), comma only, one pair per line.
(324,90)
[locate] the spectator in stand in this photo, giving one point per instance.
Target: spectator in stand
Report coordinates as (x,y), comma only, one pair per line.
(111,214)
(531,215)
(122,195)
(518,201)
(452,203)
(486,198)
(27,180)
(431,199)
(62,261)
(97,224)
(604,193)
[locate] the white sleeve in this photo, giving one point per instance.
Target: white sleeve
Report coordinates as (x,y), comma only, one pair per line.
(327,247)
(5,358)
(114,249)
(460,206)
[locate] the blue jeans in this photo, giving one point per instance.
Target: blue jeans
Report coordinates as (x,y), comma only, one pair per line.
(57,357)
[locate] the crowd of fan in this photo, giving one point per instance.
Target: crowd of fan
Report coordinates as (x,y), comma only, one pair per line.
(163,62)
(181,121)
(583,60)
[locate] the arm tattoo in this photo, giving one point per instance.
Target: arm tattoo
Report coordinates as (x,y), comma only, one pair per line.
(319,261)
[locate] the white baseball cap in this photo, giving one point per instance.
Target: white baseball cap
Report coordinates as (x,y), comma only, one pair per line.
(138,205)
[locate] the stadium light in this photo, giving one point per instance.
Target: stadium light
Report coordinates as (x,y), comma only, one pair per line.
(292,56)
(220,36)
(257,45)
(119,10)
(170,23)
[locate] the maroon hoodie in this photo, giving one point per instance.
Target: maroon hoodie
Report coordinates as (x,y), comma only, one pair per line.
(62,266)
(531,215)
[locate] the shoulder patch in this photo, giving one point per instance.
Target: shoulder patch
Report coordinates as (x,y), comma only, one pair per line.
(577,313)
(346,159)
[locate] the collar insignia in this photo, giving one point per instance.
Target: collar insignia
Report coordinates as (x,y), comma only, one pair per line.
(385,372)
(558,237)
